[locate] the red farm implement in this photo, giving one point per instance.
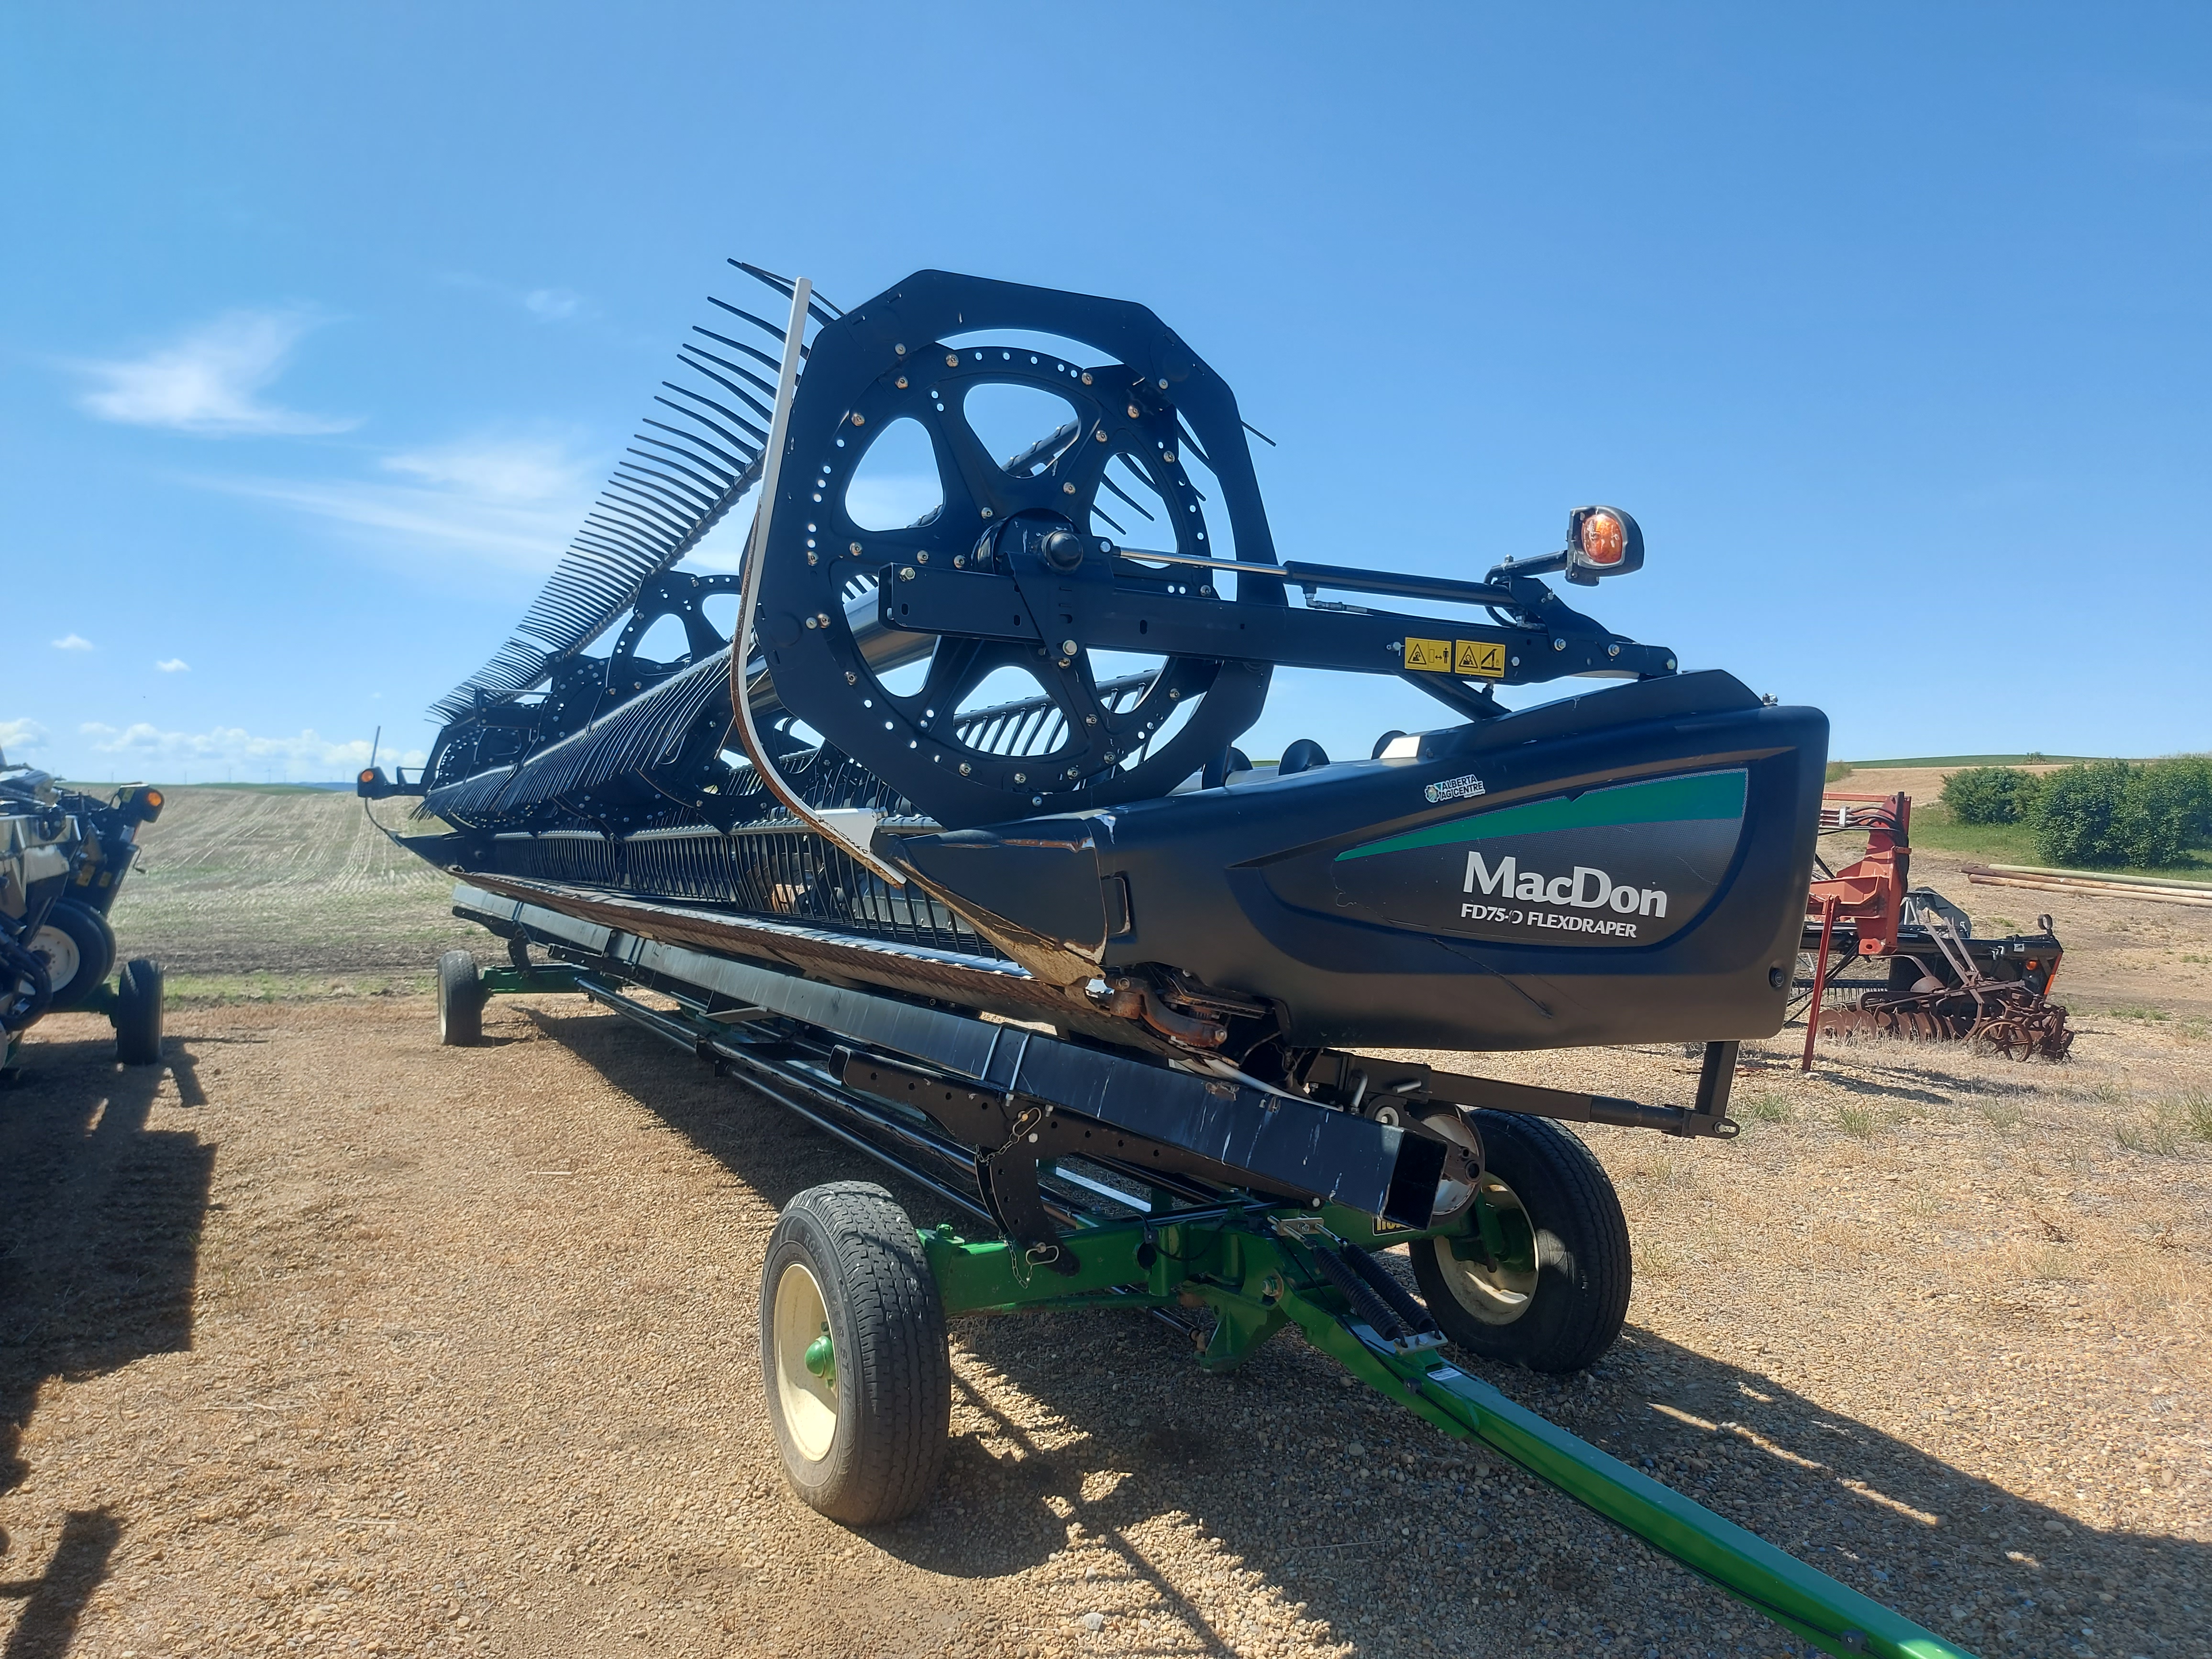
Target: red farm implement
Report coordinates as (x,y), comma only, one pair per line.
(1920,971)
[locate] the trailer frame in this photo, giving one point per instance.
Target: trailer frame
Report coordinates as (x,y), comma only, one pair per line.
(1157,1226)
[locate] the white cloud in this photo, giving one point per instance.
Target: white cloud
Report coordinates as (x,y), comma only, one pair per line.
(492,470)
(174,666)
(547,305)
(553,305)
(516,502)
(72,642)
(207,381)
(21,734)
(308,757)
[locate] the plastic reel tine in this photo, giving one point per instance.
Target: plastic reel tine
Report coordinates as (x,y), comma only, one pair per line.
(625,538)
(742,465)
(617,498)
(682,491)
(696,368)
(675,492)
(739,345)
(735,369)
(1134,502)
(758,436)
(782,285)
(715,484)
(654,511)
(761,323)
(717,478)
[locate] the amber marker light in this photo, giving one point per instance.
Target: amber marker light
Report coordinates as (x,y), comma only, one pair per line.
(1603,540)
(366,776)
(152,798)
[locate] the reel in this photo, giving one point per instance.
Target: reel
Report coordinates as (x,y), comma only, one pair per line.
(679,594)
(827,623)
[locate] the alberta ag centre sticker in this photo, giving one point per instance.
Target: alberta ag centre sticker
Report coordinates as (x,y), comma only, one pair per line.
(1464,788)
(1628,864)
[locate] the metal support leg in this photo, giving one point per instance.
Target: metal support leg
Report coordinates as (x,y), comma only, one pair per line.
(1820,982)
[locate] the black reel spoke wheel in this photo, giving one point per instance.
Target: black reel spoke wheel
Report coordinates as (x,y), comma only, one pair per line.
(78,947)
(1020,532)
(137,1016)
(1547,1285)
(679,594)
(461,1000)
(854,1359)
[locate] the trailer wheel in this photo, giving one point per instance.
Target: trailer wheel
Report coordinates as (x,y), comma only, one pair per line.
(852,1354)
(1553,1297)
(138,1013)
(460,1000)
(79,948)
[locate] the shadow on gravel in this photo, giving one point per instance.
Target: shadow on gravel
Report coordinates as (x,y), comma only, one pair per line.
(1392,1546)
(53,1602)
(100,1230)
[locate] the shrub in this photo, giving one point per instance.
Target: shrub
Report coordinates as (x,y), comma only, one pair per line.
(1990,794)
(2109,812)
(2078,812)
(2166,809)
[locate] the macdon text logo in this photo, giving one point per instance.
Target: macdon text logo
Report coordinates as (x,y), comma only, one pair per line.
(1587,888)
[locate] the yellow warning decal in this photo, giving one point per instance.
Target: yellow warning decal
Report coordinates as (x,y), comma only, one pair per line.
(1433,655)
(1486,658)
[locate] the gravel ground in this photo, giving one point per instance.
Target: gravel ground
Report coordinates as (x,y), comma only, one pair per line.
(325,1340)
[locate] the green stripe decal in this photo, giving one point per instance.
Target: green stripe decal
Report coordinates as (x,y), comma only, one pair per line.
(1661,801)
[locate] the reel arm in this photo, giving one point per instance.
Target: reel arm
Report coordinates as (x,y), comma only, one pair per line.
(1112,602)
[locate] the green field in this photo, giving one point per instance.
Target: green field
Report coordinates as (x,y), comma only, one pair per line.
(1976,760)
(256,892)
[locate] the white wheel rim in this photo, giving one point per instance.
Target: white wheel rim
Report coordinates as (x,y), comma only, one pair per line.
(808,1402)
(1494,1295)
(61,955)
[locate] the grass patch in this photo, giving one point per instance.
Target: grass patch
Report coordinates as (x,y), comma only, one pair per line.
(2191,1114)
(2053,1265)
(2000,1114)
(1765,1107)
(2137,1011)
(1858,1121)
(2158,1138)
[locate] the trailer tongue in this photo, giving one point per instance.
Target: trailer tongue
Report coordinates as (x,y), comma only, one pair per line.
(943,843)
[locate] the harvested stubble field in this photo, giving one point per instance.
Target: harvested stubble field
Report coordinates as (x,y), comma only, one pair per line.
(325,1340)
(243,892)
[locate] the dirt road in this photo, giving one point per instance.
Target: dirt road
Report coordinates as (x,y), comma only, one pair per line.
(324,1339)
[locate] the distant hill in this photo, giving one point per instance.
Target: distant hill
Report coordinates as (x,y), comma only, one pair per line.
(1970,760)
(344,786)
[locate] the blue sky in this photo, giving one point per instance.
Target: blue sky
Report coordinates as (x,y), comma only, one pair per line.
(320,325)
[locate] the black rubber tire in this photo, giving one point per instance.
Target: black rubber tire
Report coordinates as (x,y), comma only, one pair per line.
(893,1374)
(1583,1264)
(95,940)
(461,1000)
(138,1013)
